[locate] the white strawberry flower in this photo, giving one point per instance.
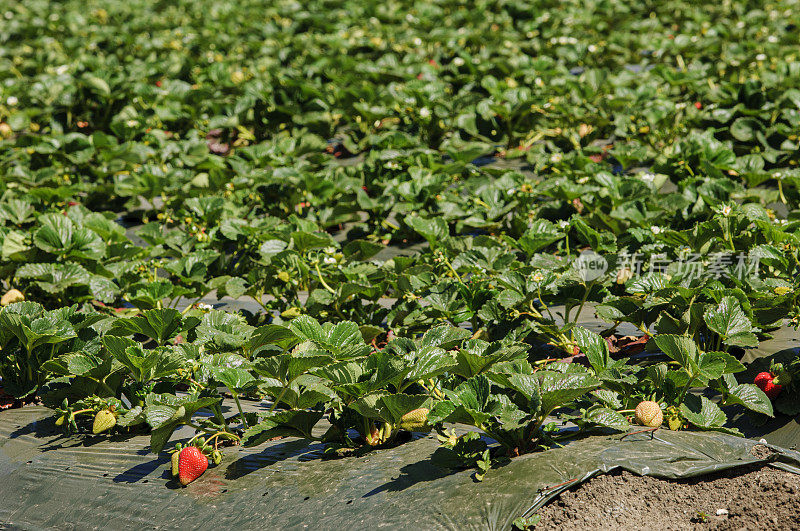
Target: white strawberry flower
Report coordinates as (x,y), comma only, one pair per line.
(12,100)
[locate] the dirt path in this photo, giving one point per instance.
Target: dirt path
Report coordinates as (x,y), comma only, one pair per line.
(764,498)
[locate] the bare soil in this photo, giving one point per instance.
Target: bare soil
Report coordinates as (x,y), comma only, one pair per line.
(745,498)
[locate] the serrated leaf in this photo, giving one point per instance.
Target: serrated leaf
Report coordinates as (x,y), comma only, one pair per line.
(430,362)
(702,412)
(681,349)
(608,418)
(234,379)
(282,424)
(445,336)
(434,230)
(559,389)
(730,322)
(751,397)
(593,346)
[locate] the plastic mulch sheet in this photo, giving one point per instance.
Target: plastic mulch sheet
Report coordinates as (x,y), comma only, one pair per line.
(784,345)
(51,481)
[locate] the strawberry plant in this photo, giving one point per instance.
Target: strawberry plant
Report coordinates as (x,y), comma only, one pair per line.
(409,217)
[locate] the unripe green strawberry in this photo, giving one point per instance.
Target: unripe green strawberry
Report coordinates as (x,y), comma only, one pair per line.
(175,461)
(648,413)
(103,421)
(416,420)
(216,457)
(60,420)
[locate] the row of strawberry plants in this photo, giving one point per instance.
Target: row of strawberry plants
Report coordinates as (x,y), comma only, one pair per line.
(495,281)
(161,369)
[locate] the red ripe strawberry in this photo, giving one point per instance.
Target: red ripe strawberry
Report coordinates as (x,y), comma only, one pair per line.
(763,381)
(191,464)
(698,105)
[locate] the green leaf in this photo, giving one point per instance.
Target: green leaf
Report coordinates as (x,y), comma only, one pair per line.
(100,86)
(343,340)
(430,362)
(235,287)
(308,328)
(445,336)
(54,278)
(434,230)
(159,324)
(702,412)
(304,241)
(388,407)
(221,331)
(270,248)
(559,389)
(288,367)
(132,417)
(730,322)
(361,249)
(593,346)
(271,334)
(478,357)
(465,453)
(710,367)
(744,128)
(608,418)
(233,378)
(159,415)
(751,397)
(282,424)
(539,235)
(681,349)
(145,365)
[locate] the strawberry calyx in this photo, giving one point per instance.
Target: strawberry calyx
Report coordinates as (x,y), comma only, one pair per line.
(782,376)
